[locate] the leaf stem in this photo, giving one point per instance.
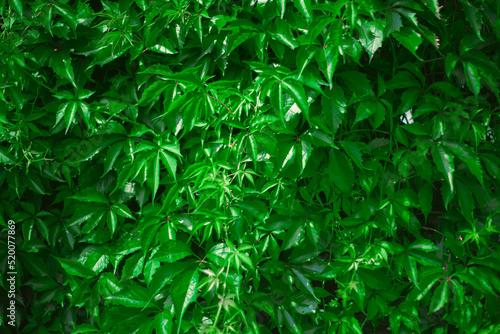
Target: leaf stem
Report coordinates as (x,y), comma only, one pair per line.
(216,99)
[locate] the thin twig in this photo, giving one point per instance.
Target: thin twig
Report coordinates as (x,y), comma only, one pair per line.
(440,58)
(216,99)
(430,228)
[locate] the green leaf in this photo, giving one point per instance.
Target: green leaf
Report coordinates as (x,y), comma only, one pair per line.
(424,245)
(327,58)
(6,157)
(67,12)
(473,78)
(440,296)
(156,174)
(34,182)
(465,200)
(297,91)
(169,162)
(69,114)
(425,199)
(282,6)
(42,284)
(341,172)
(111,156)
(375,279)
(411,269)
(122,210)
(284,35)
(185,292)
(132,296)
(112,221)
(294,236)
(172,251)
(278,102)
(426,259)
(17,6)
(450,63)
(353,149)
(409,38)
(60,61)
(305,153)
(444,162)
(290,157)
(84,328)
(304,7)
(366,109)
(163,276)
(152,92)
(75,268)
(358,83)
(304,282)
(473,15)
(467,155)
(304,57)
(353,324)
(90,195)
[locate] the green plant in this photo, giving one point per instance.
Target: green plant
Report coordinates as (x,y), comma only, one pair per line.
(252,166)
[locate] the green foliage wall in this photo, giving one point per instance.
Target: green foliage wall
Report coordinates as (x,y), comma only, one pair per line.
(250,166)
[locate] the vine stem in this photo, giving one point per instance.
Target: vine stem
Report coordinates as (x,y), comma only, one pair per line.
(434,59)
(216,99)
(432,229)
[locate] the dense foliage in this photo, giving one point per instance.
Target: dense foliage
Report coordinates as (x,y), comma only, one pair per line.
(298,166)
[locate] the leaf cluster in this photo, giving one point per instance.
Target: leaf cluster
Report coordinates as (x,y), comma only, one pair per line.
(253,166)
